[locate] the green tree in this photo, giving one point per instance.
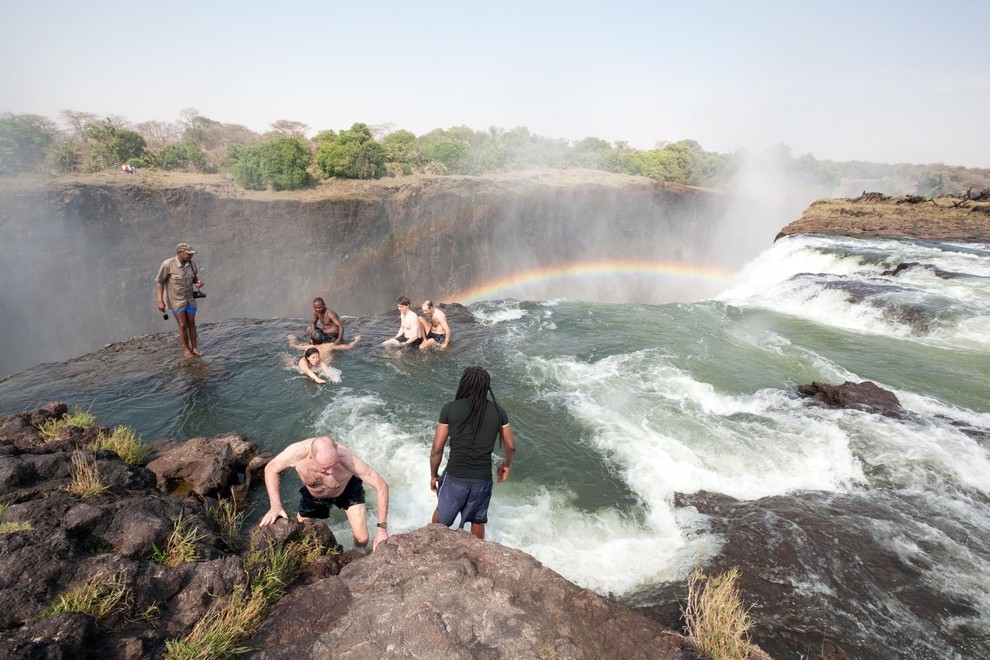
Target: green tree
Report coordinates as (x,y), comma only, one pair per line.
(590,153)
(399,146)
(281,163)
(182,155)
(442,152)
(112,144)
(352,154)
(24,141)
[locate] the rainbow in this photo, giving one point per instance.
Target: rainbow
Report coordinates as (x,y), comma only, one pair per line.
(496,288)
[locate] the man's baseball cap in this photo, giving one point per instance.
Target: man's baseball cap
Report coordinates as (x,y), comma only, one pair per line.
(184,247)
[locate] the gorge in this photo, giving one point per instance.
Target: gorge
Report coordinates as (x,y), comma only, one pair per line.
(85,251)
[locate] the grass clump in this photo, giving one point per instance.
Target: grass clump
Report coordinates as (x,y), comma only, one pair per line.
(229,520)
(11,527)
(99,597)
(716,622)
(180,546)
(125,442)
(52,429)
(150,614)
(85,479)
(220,632)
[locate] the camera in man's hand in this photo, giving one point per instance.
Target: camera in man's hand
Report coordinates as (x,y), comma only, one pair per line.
(198,294)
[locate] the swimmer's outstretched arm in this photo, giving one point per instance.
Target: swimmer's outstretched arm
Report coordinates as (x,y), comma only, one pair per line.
(344,347)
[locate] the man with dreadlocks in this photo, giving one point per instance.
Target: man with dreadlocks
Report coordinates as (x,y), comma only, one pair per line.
(472,422)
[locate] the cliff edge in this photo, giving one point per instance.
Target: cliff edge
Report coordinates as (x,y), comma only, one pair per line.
(873,215)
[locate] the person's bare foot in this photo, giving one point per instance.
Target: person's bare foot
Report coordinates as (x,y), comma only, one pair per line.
(188,353)
(196,352)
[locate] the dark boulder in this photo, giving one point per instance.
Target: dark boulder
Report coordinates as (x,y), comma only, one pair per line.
(866,396)
(206,467)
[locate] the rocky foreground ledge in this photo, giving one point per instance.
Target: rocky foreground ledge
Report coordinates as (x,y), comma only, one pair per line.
(874,215)
(432,592)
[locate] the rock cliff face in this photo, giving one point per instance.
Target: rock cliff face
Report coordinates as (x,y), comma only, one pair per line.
(80,256)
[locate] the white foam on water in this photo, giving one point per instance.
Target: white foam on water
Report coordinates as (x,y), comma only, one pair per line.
(495,313)
(792,276)
(665,432)
(332,373)
(780,263)
(670,433)
(582,546)
(925,452)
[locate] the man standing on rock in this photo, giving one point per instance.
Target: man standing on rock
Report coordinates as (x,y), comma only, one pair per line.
(472,423)
(332,329)
(176,278)
(331,475)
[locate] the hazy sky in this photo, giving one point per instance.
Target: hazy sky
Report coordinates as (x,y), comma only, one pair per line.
(881,81)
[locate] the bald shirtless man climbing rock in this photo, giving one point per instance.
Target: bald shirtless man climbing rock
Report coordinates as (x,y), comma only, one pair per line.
(331,475)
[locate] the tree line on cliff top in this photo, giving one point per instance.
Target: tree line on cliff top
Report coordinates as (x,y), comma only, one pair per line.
(285,159)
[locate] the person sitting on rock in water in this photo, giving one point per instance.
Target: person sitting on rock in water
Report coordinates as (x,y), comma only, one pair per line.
(410,332)
(326,321)
(331,475)
(435,328)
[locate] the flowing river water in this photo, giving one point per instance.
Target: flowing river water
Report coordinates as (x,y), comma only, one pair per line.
(618,407)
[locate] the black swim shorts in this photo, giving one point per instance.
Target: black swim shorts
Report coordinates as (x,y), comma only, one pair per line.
(311,507)
(413,344)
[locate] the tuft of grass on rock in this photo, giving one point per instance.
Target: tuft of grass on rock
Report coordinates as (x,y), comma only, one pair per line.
(85,478)
(180,546)
(99,596)
(716,622)
(150,614)
(125,442)
(229,520)
(51,430)
(220,633)
(11,527)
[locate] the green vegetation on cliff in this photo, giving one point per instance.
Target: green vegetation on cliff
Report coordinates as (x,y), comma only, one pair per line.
(285,159)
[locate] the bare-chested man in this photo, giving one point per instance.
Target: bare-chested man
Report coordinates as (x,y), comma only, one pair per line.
(332,328)
(331,475)
(435,327)
(410,331)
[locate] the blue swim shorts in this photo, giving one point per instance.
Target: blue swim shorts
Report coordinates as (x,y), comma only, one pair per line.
(188,309)
(468,497)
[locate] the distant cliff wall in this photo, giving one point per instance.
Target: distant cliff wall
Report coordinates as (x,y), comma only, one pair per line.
(79,257)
